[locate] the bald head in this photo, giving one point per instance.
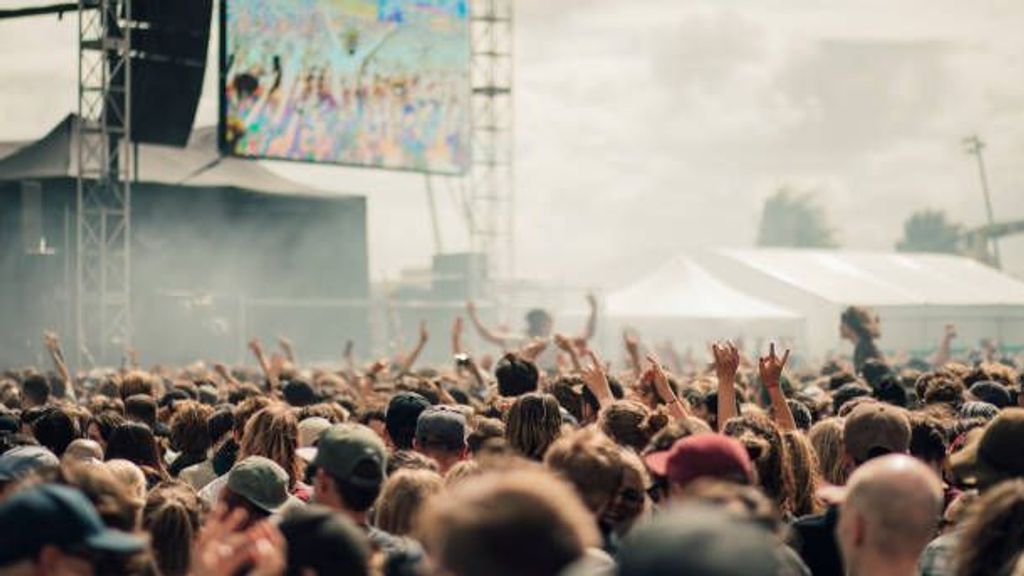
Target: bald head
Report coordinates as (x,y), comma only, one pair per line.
(891,509)
(82,450)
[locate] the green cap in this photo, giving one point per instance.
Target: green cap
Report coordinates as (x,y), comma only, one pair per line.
(352,452)
(260,481)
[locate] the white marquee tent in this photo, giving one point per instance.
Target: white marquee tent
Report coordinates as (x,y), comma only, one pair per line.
(914,294)
(683,302)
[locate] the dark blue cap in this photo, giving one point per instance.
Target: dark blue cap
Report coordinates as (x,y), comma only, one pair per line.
(50,514)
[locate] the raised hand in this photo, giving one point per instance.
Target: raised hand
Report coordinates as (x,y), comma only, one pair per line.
(661,386)
(631,342)
(533,349)
(950,333)
(564,343)
(51,340)
(256,346)
(424,333)
(596,379)
(727,360)
(770,367)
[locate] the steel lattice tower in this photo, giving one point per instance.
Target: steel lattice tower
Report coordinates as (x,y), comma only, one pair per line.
(491,177)
(104,164)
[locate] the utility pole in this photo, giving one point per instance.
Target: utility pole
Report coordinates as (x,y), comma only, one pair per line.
(974,146)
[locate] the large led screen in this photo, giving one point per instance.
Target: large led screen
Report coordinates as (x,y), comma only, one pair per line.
(380,83)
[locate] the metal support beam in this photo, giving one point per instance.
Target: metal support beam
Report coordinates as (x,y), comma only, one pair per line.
(104,170)
(491,179)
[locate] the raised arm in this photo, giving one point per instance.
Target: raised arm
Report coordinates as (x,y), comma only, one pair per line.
(485,332)
(420,344)
(727,361)
(632,344)
(57,356)
(261,359)
(770,369)
(287,348)
(943,355)
(676,407)
(591,328)
(457,336)
(566,345)
(597,381)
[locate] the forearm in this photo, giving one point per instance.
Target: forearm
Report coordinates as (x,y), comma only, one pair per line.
(943,355)
(726,401)
(410,360)
(780,408)
(591,328)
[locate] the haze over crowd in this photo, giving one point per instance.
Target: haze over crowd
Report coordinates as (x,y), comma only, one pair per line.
(665,124)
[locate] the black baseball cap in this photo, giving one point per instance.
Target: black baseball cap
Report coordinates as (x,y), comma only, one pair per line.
(59,516)
(441,427)
(400,419)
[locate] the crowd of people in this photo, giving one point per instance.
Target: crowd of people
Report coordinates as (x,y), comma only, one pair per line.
(514,465)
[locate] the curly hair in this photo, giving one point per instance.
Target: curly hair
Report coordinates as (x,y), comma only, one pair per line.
(993,371)
(992,538)
(274,433)
(862,321)
(763,441)
(631,424)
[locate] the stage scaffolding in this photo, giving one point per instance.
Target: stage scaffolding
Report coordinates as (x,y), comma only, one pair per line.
(102,303)
(487,192)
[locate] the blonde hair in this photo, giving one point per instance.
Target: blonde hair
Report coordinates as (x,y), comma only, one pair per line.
(806,473)
(402,497)
(273,433)
(461,472)
(172,518)
(826,438)
(128,474)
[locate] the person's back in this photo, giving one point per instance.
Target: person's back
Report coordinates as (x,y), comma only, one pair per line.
(889,512)
(870,430)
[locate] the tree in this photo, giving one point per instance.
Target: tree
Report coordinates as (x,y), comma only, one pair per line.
(793,219)
(930,231)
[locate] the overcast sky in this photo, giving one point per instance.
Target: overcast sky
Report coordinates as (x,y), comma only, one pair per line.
(647,127)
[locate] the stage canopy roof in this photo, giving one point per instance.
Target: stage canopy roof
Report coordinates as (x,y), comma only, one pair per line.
(198,165)
(884,278)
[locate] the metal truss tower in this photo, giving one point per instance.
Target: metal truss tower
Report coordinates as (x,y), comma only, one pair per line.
(491,196)
(103,200)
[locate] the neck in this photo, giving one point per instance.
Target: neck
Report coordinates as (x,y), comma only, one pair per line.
(873,565)
(360,518)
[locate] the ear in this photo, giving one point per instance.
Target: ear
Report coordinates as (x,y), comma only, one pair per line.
(860,530)
(49,561)
(849,464)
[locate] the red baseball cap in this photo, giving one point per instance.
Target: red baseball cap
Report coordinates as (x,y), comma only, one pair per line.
(703,456)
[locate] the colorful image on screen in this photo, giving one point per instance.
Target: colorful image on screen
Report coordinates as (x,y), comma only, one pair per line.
(380,83)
